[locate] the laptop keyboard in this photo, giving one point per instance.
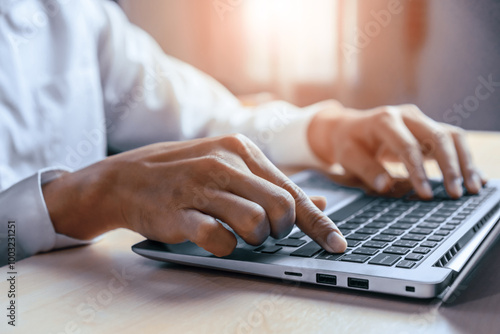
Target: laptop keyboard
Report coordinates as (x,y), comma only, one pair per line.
(389,232)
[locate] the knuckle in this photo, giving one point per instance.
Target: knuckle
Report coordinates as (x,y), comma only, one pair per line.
(204,233)
(284,203)
(410,147)
(317,225)
(213,161)
(292,188)
(451,172)
(235,140)
(456,132)
(257,215)
(282,213)
(387,115)
(239,144)
(256,228)
(469,170)
(412,109)
(441,136)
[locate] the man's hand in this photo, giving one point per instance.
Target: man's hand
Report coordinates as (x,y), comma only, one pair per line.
(361,141)
(173,192)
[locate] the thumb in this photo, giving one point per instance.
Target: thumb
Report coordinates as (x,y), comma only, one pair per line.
(319,201)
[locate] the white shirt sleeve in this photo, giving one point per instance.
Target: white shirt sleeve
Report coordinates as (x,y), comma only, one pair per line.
(23,204)
(153,97)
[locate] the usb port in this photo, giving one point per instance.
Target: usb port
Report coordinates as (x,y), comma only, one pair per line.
(357,283)
(326,279)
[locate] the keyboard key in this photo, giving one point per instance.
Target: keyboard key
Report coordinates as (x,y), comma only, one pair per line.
(354,258)
(393,231)
(405,243)
(345,232)
(430,244)
(375,244)
(356,236)
(352,243)
(396,250)
(448,227)
(382,237)
(365,251)
(421,231)
(383,220)
(347,226)
(433,219)
(414,214)
(406,264)
(297,235)
(408,220)
(392,214)
(454,222)
(290,242)
(376,225)
(421,250)
(414,237)
(414,257)
(446,213)
(371,213)
(428,225)
(268,249)
(435,238)
(443,213)
(442,232)
(363,215)
(385,259)
(329,256)
(402,226)
(380,207)
(367,230)
(309,250)
(356,221)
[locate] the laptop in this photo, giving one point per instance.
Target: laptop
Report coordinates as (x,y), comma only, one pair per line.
(403,246)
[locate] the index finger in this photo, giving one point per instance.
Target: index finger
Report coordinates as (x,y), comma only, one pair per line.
(309,218)
(401,142)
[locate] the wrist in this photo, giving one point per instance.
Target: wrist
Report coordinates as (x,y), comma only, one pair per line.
(73,201)
(321,131)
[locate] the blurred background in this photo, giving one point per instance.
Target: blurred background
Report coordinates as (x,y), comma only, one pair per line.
(443,55)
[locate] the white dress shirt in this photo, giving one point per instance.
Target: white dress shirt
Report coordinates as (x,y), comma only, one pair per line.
(77,76)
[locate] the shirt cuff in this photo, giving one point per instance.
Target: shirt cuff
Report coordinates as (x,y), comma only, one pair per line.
(61,240)
(24,204)
(289,145)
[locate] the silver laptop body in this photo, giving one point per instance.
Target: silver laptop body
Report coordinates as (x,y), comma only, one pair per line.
(425,251)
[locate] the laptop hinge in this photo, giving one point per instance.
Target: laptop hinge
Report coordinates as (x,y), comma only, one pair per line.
(464,254)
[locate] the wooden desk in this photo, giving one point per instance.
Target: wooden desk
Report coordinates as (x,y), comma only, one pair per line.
(105,288)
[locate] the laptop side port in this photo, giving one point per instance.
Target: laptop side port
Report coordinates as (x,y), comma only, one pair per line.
(357,283)
(326,279)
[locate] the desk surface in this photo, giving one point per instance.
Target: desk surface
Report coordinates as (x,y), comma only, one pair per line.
(106,288)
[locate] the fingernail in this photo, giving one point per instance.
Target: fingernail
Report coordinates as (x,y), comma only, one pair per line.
(381,183)
(336,242)
(456,187)
(427,190)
